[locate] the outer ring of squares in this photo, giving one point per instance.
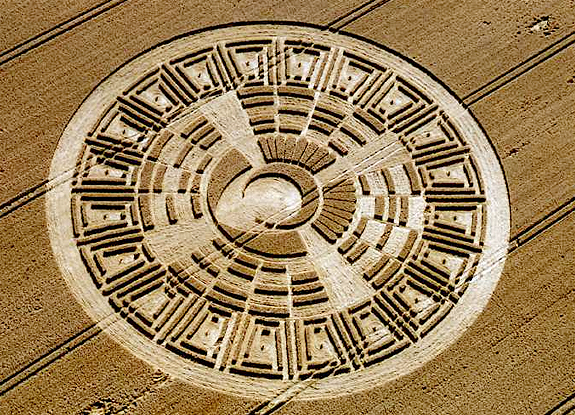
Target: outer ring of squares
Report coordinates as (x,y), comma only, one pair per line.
(395,247)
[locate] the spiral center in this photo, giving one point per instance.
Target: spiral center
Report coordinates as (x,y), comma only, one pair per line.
(271,200)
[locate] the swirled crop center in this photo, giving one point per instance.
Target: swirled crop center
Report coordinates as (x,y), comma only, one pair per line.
(264,205)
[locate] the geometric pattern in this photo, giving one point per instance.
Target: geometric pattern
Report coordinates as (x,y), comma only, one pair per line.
(271,205)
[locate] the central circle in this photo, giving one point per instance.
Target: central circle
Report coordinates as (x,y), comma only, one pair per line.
(271,200)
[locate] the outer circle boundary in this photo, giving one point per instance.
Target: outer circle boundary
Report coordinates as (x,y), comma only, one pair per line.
(498,223)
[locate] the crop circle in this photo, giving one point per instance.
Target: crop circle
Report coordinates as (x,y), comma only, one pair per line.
(265,204)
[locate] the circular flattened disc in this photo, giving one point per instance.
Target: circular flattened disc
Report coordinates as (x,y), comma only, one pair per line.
(255,206)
